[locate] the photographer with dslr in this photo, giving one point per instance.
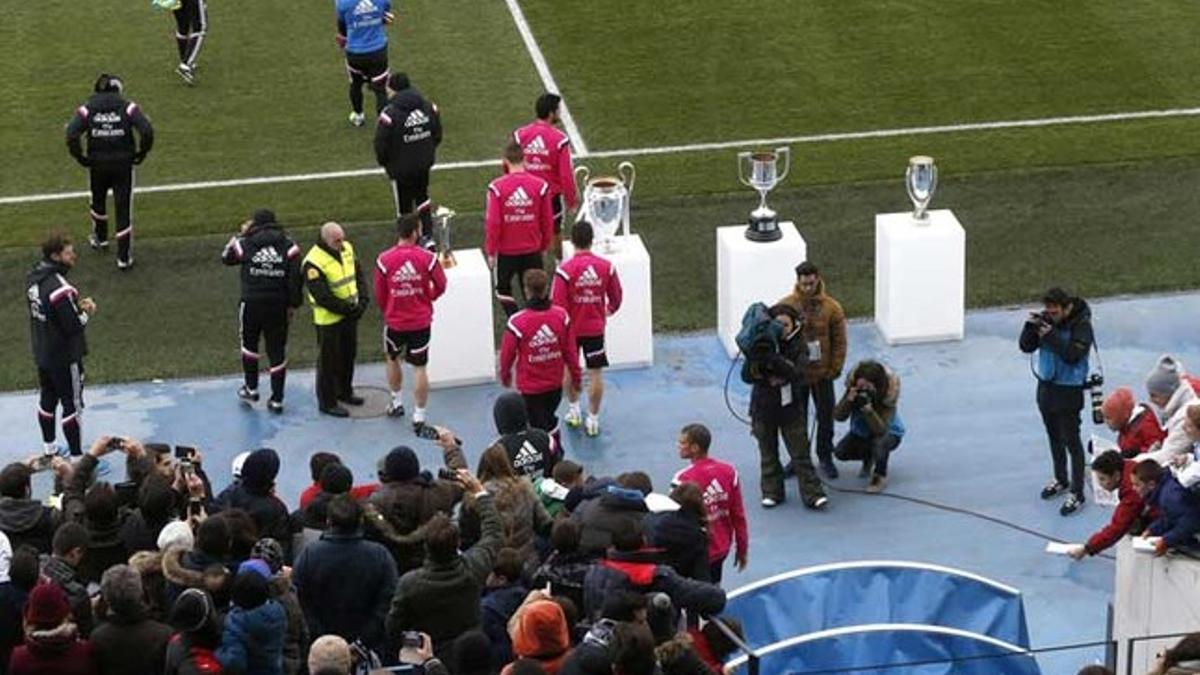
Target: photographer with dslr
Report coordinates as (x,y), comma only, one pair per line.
(1061,334)
(871,404)
(779,405)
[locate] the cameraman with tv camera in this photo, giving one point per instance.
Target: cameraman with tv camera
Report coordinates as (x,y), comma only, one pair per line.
(776,355)
(1061,334)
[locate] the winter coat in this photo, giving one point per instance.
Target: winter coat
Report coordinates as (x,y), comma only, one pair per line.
(452,587)
(521,512)
(1062,357)
(149,565)
(57,651)
(1128,510)
(615,510)
(189,654)
(269,514)
(592,656)
(130,644)
(884,417)
(1178,522)
(12,631)
(344,584)
(183,569)
(295,644)
(252,642)
(61,573)
(1174,412)
(498,606)
(28,521)
(639,572)
(564,573)
(684,541)
(824,322)
(139,535)
(409,504)
(104,550)
(1141,433)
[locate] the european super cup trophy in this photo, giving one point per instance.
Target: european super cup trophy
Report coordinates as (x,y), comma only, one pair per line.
(920,179)
(605,202)
(441,233)
(760,170)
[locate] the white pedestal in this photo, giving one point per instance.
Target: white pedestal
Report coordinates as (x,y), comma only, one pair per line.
(629,337)
(920,277)
(749,272)
(461,349)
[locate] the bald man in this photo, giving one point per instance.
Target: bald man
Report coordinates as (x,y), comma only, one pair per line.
(337,292)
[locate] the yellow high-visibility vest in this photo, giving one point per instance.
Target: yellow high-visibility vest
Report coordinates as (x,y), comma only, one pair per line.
(340,276)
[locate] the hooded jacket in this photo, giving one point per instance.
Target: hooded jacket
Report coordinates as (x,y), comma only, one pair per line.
(1062,357)
(407,135)
(616,509)
(55,651)
(884,416)
(564,573)
(531,451)
(1178,522)
(28,521)
(270,264)
(639,572)
(406,505)
(684,540)
(252,642)
(67,578)
(56,322)
(108,121)
(824,323)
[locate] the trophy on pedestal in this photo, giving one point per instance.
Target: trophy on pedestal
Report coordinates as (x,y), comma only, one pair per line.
(920,179)
(605,202)
(441,235)
(760,170)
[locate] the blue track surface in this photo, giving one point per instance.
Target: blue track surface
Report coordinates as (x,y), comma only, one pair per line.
(975,441)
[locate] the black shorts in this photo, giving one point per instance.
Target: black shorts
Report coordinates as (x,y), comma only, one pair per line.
(371,67)
(560,211)
(413,344)
(508,266)
(594,355)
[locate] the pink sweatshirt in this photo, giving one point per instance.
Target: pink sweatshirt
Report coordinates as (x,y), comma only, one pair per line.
(723,499)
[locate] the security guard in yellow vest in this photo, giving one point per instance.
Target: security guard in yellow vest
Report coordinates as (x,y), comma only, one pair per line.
(337,292)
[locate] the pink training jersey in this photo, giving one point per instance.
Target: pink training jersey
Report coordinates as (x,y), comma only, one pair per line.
(723,500)
(587,286)
(520,216)
(407,281)
(548,156)
(540,344)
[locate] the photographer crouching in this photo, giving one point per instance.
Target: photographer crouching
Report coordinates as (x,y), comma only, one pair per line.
(775,361)
(1061,334)
(870,402)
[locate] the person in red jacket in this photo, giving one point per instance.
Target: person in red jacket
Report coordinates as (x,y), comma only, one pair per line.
(722,499)
(1136,425)
(548,156)
(408,279)
(1113,473)
(539,344)
(587,286)
(519,225)
(52,645)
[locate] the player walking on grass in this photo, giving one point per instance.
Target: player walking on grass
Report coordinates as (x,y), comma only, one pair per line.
(361,33)
(587,286)
(519,225)
(548,156)
(406,141)
(191,23)
(109,122)
(408,279)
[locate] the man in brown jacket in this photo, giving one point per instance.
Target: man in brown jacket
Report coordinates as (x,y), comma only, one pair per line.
(825,332)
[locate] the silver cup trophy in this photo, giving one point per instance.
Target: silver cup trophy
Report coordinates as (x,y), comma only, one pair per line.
(920,179)
(605,202)
(441,235)
(760,170)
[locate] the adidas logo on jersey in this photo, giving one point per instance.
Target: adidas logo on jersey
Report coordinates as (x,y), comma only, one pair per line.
(714,493)
(364,7)
(267,256)
(589,277)
(416,118)
(544,336)
(526,456)
(407,272)
(519,199)
(536,147)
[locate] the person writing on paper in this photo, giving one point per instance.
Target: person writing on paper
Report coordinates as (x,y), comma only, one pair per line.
(1135,424)
(1178,521)
(1115,474)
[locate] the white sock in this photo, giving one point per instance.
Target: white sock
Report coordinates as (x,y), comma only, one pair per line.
(418,414)
(573,408)
(396,397)
(49,448)
(594,417)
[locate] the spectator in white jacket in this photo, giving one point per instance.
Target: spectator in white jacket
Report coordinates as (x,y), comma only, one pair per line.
(1172,393)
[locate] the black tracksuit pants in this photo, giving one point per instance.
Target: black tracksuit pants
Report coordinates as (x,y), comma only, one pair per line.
(1060,407)
(62,385)
(118,179)
(411,193)
(338,344)
(267,320)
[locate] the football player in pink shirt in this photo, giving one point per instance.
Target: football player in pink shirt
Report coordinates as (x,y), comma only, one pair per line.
(722,499)
(519,225)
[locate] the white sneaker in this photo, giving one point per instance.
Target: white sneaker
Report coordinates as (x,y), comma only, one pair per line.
(593,426)
(357,119)
(769,503)
(95,243)
(186,73)
(395,409)
(574,417)
(124,265)
(820,503)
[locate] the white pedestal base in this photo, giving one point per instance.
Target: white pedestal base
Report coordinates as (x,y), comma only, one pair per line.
(920,277)
(461,349)
(629,337)
(749,272)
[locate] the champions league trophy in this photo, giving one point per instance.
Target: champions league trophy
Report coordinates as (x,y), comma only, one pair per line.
(920,179)
(605,202)
(763,175)
(441,234)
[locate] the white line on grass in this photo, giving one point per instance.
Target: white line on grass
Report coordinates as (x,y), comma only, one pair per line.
(543,69)
(635,152)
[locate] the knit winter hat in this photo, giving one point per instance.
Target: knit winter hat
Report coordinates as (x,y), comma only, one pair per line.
(269,551)
(260,469)
(176,533)
(336,479)
(191,610)
(1118,407)
(1165,376)
(47,606)
(250,585)
(541,630)
(401,464)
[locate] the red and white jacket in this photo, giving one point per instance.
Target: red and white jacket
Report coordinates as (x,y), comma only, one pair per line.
(548,156)
(520,216)
(1141,433)
(540,343)
(407,281)
(723,500)
(587,286)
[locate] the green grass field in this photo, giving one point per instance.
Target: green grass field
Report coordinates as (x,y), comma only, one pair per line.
(1104,207)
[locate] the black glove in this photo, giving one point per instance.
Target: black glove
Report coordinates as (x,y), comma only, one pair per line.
(84,162)
(139,158)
